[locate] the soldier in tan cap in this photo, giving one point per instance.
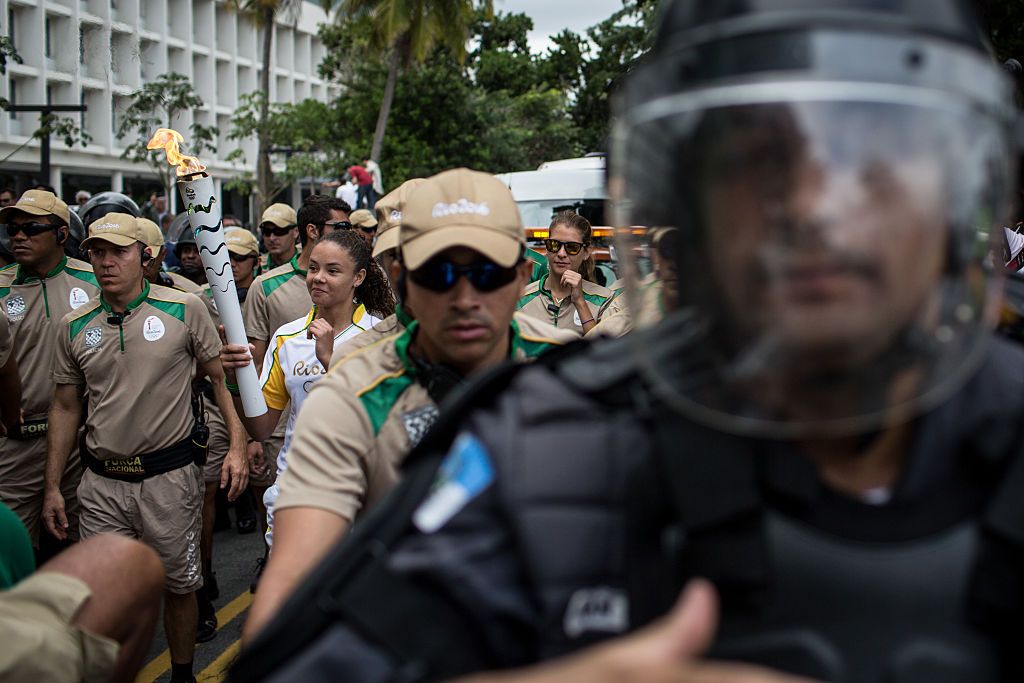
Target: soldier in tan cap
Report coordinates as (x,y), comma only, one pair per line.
(280,230)
(35,293)
(220,440)
(363,221)
(142,474)
(461,272)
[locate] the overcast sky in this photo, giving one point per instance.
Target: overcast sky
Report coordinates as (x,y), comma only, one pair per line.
(551,16)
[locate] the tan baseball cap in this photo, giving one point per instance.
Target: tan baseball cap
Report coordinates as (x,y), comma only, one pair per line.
(281,215)
(121,229)
(38,203)
(389,215)
(362,218)
(461,208)
(242,242)
(152,237)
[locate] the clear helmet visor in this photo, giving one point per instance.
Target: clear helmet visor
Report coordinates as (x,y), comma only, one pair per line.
(826,263)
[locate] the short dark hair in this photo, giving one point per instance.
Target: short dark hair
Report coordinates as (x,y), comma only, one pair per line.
(7,189)
(316,209)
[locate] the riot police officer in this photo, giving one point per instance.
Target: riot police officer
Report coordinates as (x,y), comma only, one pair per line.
(825,428)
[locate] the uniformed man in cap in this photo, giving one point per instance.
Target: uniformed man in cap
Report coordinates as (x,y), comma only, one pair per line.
(134,350)
(35,293)
(462,270)
(280,230)
(364,222)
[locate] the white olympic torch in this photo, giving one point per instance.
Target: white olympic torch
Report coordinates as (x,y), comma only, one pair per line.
(204,217)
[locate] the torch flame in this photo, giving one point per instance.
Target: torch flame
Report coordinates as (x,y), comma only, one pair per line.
(169,140)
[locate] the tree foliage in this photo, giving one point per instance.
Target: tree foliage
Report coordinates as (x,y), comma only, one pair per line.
(161,104)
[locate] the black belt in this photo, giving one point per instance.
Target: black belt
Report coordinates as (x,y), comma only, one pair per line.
(30,429)
(147,465)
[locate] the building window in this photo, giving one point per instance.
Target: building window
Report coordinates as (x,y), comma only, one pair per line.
(49,37)
(49,94)
(81,45)
(12,95)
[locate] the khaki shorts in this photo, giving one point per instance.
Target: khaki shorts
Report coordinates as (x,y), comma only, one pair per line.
(219,442)
(22,474)
(164,512)
(271,447)
(39,641)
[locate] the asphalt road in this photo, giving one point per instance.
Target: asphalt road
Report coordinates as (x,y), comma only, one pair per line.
(234,561)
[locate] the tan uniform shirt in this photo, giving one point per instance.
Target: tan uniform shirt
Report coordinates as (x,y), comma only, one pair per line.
(34,307)
(277,297)
(365,415)
(139,374)
(6,340)
(538,302)
(619,320)
(393,324)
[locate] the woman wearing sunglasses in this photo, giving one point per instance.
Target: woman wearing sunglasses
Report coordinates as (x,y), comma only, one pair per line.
(567,297)
(350,294)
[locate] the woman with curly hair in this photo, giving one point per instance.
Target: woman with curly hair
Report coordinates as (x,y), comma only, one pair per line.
(350,294)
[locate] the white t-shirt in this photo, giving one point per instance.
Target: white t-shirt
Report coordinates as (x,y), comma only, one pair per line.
(290,367)
(347,193)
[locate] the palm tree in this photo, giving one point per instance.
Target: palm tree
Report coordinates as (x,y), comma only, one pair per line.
(406,31)
(264,13)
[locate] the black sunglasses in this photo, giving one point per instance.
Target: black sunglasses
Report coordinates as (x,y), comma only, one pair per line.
(30,229)
(271,229)
(338,225)
(439,275)
(239,257)
(571,248)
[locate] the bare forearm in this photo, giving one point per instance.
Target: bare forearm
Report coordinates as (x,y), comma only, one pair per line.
(231,409)
(63,426)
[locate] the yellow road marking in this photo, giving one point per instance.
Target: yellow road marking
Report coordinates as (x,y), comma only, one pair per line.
(218,669)
(162,662)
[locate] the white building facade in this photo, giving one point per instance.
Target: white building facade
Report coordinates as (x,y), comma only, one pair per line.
(97,52)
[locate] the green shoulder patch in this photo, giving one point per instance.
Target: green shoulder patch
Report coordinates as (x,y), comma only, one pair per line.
(175,309)
(272,283)
(78,324)
(83,275)
(381,398)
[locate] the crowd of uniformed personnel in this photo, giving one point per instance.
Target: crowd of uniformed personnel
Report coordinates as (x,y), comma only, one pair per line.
(117,391)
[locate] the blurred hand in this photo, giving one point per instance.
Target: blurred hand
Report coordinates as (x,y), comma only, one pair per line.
(667,651)
(574,282)
(233,356)
(234,473)
(257,463)
(324,334)
(54,518)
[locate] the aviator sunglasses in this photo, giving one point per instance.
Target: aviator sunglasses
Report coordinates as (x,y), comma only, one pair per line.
(571,248)
(439,275)
(271,229)
(30,229)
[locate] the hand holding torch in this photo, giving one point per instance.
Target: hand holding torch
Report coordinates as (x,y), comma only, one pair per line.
(204,217)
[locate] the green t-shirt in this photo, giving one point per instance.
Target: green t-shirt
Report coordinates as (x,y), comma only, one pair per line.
(16,557)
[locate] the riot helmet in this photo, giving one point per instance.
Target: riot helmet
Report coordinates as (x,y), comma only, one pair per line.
(833,169)
(76,234)
(102,203)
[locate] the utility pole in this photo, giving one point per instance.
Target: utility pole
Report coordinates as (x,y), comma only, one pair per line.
(44,144)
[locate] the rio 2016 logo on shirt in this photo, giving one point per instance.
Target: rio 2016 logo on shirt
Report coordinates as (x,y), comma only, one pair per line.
(16,307)
(153,328)
(78,297)
(93,337)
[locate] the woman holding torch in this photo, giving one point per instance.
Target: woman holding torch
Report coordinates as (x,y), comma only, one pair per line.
(350,294)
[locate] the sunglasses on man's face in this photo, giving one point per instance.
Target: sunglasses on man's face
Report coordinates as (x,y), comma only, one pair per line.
(239,258)
(271,229)
(439,275)
(338,225)
(30,229)
(571,248)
